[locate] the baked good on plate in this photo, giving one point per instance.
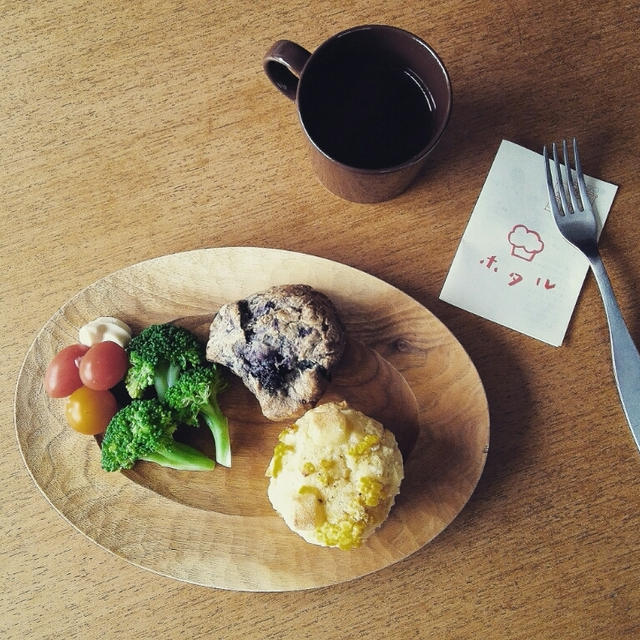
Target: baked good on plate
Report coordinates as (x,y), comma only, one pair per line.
(334,475)
(283,344)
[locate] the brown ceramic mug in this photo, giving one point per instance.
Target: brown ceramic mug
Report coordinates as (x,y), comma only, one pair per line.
(373,102)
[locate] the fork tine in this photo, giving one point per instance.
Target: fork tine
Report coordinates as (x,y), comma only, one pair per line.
(570,188)
(580,176)
(563,196)
(550,190)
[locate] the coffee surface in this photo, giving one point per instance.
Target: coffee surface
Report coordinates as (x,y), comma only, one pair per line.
(368,114)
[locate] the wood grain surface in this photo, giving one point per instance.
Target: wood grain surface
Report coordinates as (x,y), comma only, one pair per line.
(130,131)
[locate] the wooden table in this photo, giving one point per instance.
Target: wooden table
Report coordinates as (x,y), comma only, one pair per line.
(134,130)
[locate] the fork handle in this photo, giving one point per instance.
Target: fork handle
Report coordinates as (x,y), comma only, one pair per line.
(626,359)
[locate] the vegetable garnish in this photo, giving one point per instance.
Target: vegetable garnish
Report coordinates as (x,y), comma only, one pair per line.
(167,365)
(193,396)
(84,375)
(103,366)
(143,430)
(157,355)
(89,411)
(62,376)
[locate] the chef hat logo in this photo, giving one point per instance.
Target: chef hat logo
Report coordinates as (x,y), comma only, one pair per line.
(525,243)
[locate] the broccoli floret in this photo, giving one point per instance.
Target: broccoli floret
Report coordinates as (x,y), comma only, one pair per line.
(157,355)
(194,395)
(143,430)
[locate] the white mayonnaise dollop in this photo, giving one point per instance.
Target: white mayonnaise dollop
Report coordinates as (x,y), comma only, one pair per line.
(103,329)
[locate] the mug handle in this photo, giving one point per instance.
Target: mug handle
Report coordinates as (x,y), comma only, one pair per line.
(283,64)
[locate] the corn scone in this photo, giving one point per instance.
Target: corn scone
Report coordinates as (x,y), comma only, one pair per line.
(334,475)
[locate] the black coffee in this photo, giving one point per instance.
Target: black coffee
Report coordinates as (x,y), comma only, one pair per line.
(366,114)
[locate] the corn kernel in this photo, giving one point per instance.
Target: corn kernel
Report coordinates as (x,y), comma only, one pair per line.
(367,442)
(371,491)
(345,534)
(308,468)
(278,453)
(292,428)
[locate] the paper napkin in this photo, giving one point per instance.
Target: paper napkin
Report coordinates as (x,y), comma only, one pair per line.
(512,265)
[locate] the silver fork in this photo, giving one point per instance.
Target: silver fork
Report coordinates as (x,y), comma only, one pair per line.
(576,221)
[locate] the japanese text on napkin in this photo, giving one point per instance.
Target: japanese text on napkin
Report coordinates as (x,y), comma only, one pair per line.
(512,265)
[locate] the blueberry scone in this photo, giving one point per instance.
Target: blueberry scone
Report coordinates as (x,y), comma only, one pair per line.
(283,344)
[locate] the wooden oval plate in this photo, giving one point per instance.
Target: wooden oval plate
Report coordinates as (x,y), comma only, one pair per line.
(218,528)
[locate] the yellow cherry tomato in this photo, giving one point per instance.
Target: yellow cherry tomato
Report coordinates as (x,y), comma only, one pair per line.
(89,411)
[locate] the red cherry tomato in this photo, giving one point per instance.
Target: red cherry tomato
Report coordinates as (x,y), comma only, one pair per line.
(62,377)
(103,366)
(89,411)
